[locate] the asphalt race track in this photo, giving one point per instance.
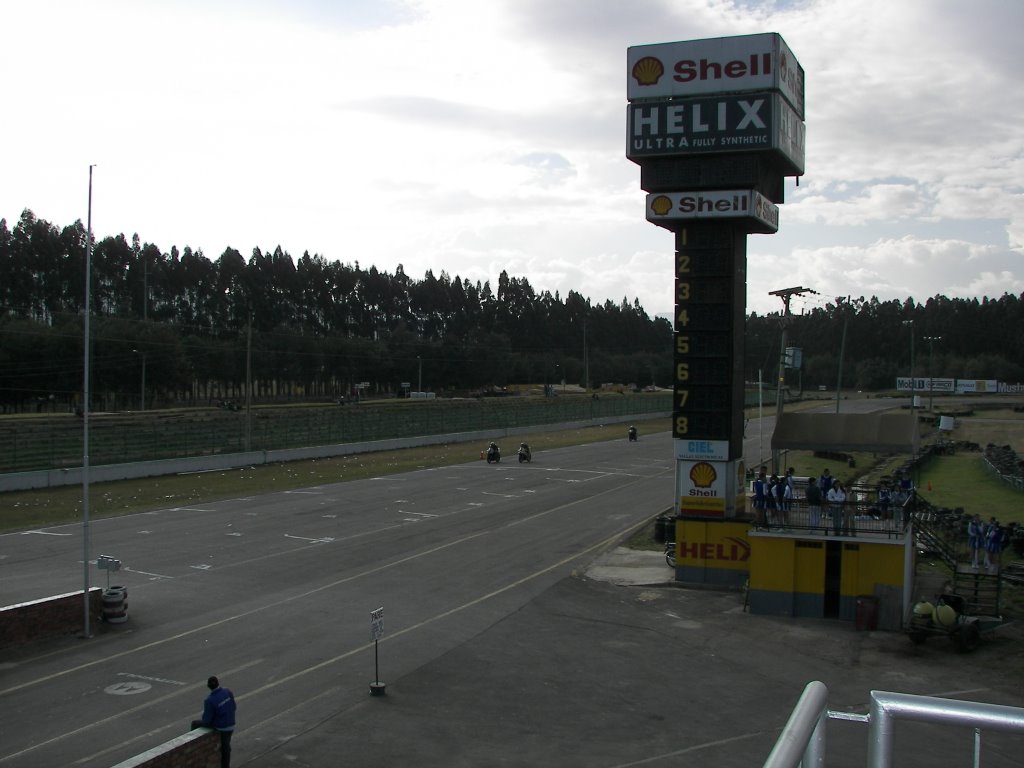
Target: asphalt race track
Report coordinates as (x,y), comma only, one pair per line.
(273,593)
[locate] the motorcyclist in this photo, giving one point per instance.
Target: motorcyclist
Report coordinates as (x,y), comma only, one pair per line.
(632,433)
(493,453)
(524,453)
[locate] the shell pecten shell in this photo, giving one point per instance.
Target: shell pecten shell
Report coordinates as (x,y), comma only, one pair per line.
(648,70)
(703,474)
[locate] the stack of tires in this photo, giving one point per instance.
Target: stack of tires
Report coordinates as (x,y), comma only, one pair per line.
(115,605)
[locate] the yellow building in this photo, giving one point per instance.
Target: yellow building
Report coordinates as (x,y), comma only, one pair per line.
(865,577)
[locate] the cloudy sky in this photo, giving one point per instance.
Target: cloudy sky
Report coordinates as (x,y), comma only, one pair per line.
(472,136)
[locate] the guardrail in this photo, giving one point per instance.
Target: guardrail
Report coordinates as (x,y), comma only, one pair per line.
(802,741)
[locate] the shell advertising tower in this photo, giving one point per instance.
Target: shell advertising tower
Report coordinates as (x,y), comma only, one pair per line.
(715,125)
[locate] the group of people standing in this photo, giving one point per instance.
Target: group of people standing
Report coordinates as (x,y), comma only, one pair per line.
(773,498)
(824,497)
(989,538)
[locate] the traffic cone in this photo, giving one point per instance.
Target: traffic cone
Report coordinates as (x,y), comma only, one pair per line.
(929,486)
(481,454)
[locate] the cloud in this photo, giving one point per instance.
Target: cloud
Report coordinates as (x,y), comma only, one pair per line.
(473,137)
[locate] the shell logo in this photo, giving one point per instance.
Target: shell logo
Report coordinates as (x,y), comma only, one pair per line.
(703,474)
(661,205)
(648,71)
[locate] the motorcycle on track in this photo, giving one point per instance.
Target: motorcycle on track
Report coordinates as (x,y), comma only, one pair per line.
(524,453)
(493,453)
(632,434)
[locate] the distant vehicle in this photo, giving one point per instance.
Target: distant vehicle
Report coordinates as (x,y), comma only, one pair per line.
(632,434)
(525,453)
(493,453)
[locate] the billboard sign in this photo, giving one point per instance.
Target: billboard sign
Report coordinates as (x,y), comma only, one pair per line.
(702,488)
(665,208)
(702,450)
(923,384)
(976,386)
(759,62)
(755,122)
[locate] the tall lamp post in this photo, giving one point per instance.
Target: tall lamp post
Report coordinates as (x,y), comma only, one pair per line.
(142,387)
(85,422)
(911,324)
(931,348)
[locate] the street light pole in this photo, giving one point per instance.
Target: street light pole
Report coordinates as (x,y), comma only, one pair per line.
(142,389)
(785,294)
(911,324)
(931,348)
(85,421)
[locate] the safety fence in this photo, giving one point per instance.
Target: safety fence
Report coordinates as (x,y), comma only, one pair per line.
(56,442)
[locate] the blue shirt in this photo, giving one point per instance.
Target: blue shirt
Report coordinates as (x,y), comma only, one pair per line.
(219,709)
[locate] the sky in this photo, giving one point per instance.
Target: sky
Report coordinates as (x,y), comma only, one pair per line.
(475,136)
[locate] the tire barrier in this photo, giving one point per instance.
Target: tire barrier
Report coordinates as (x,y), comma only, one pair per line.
(115,605)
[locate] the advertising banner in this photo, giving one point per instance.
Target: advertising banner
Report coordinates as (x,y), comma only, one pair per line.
(923,385)
(727,123)
(702,450)
(976,386)
(663,208)
(761,62)
(703,488)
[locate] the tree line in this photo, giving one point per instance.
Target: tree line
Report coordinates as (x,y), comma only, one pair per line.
(879,341)
(306,328)
(177,328)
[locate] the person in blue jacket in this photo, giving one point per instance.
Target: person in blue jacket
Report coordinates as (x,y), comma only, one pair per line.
(219,714)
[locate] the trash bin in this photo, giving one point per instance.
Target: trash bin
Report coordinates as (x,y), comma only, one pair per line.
(661,529)
(867,613)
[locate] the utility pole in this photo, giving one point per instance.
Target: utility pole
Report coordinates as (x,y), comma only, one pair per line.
(86,394)
(912,382)
(248,385)
(931,387)
(786,294)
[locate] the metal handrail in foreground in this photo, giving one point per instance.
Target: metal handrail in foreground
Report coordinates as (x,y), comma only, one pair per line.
(886,708)
(802,741)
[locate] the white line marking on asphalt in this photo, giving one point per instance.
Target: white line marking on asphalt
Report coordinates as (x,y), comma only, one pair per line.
(150,679)
(45,533)
(330,585)
(687,750)
(127,688)
(151,575)
(322,540)
(123,740)
(308,493)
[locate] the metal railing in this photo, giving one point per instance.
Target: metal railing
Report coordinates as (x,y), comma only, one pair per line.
(802,741)
(853,518)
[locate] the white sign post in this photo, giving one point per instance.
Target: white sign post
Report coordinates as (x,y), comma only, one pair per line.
(377,688)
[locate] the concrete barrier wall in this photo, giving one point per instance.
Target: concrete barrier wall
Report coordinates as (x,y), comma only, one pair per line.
(196,749)
(47,617)
(23,481)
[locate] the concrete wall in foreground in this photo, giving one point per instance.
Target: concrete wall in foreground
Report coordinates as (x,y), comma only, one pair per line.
(23,481)
(47,617)
(196,749)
